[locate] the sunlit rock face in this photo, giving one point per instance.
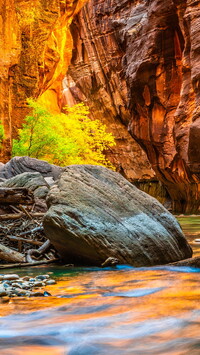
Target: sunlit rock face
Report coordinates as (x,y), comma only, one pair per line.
(36,47)
(137,64)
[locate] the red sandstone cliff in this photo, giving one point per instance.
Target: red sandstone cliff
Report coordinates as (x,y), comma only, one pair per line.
(35,45)
(137,62)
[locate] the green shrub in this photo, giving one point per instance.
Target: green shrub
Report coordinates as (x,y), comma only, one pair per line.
(63,139)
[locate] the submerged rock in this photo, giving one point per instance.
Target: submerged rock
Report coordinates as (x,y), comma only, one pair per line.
(95,214)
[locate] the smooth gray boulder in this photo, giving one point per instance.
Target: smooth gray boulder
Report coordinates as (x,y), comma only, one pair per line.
(35,182)
(19,165)
(94,213)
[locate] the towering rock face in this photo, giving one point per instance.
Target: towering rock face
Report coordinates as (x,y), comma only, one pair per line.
(137,64)
(36,47)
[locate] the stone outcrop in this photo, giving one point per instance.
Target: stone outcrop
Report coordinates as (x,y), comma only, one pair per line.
(137,62)
(36,47)
(95,214)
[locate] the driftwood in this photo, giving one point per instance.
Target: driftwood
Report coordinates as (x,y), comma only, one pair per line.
(36,263)
(20,239)
(191,262)
(17,195)
(28,214)
(6,217)
(10,255)
(38,252)
(36,229)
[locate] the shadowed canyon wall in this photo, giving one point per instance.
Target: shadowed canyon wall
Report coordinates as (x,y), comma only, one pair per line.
(137,64)
(35,45)
(95,76)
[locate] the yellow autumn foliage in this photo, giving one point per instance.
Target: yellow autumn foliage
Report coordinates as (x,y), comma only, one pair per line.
(63,139)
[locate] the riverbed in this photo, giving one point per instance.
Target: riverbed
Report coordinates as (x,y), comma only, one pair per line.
(111,311)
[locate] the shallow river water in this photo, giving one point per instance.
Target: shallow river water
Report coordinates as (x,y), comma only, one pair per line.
(119,311)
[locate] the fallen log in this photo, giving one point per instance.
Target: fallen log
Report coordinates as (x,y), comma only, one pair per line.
(16,196)
(191,262)
(10,255)
(39,252)
(28,214)
(36,263)
(6,217)
(20,239)
(36,229)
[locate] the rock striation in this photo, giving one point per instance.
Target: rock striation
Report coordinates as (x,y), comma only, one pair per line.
(137,63)
(95,76)
(95,214)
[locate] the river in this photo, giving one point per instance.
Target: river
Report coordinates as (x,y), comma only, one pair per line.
(121,311)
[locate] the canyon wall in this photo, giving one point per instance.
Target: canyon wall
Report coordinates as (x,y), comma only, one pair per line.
(137,64)
(36,46)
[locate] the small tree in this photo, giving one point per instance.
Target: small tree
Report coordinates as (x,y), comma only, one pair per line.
(1,134)
(63,139)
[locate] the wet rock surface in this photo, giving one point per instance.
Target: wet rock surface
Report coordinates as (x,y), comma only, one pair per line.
(94,213)
(12,285)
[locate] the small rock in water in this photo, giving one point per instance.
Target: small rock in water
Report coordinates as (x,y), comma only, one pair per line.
(2,292)
(6,285)
(42,277)
(5,299)
(37,294)
(46,294)
(11,277)
(39,284)
(16,285)
(20,292)
(50,282)
(26,278)
(31,280)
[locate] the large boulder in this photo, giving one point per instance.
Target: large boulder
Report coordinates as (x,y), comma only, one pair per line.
(94,213)
(19,165)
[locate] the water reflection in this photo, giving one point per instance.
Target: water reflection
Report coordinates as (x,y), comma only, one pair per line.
(191,228)
(121,311)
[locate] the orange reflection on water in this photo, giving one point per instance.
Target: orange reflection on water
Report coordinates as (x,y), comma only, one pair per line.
(39,350)
(168,293)
(135,310)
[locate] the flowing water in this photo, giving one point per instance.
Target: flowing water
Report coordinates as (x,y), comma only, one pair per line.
(119,311)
